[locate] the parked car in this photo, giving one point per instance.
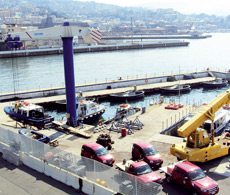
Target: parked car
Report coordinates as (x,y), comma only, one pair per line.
(147,152)
(191,177)
(97,152)
(140,169)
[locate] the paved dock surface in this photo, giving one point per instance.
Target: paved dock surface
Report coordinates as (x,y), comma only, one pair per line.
(152,119)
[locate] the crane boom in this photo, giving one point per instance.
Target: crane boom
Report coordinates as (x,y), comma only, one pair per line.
(208,112)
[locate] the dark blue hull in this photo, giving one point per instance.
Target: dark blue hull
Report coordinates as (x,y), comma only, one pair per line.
(165,90)
(217,83)
(39,123)
(121,97)
(214,85)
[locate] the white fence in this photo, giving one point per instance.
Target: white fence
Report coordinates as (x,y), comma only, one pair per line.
(82,173)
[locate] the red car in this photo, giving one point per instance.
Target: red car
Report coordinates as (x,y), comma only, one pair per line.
(97,152)
(191,177)
(143,171)
(145,151)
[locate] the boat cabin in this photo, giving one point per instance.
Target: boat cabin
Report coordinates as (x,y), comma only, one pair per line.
(28,110)
(86,108)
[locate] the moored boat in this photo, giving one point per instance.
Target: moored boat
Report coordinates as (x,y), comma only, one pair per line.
(175,89)
(34,135)
(88,111)
(128,95)
(27,113)
(217,83)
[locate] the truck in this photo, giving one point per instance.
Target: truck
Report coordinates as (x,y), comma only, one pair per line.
(198,146)
(140,169)
(191,177)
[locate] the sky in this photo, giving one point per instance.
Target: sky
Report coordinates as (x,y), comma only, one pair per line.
(217,7)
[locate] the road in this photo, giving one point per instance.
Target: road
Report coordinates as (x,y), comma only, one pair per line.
(25,181)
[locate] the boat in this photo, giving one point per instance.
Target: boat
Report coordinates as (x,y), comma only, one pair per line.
(217,83)
(127,95)
(34,135)
(89,111)
(125,110)
(29,114)
(221,123)
(175,89)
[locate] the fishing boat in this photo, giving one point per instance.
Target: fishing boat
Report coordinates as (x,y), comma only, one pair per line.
(128,95)
(217,83)
(28,113)
(88,110)
(175,89)
(34,135)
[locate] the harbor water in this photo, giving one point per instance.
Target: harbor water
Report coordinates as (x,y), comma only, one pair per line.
(21,74)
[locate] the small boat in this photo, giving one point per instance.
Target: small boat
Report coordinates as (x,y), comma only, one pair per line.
(128,95)
(34,135)
(28,113)
(88,111)
(125,110)
(215,84)
(175,89)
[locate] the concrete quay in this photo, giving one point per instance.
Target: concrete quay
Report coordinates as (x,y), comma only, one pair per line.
(104,89)
(93,48)
(152,120)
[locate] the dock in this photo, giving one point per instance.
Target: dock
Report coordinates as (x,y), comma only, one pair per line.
(93,48)
(149,84)
(187,36)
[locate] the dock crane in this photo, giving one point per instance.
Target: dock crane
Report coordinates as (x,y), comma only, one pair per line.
(66,33)
(198,146)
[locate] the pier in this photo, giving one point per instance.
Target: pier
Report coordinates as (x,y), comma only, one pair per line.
(93,48)
(156,37)
(104,89)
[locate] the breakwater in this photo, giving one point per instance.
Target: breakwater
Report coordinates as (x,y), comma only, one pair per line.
(93,48)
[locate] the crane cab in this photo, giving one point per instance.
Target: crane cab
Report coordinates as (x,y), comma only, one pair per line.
(198,139)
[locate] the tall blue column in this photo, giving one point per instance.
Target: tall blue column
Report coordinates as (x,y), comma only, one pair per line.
(69,80)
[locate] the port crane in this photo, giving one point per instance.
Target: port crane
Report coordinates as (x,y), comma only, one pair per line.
(66,33)
(198,146)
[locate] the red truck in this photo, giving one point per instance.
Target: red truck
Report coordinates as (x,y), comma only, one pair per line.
(97,152)
(147,152)
(191,177)
(140,169)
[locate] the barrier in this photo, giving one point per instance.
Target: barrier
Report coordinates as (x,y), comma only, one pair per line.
(59,174)
(33,162)
(87,186)
(102,190)
(11,157)
(72,180)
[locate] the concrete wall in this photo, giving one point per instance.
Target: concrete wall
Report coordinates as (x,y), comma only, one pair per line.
(101,86)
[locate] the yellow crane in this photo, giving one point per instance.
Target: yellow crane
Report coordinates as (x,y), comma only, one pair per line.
(198,146)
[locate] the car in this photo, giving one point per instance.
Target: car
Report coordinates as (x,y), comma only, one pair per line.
(97,152)
(191,177)
(147,152)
